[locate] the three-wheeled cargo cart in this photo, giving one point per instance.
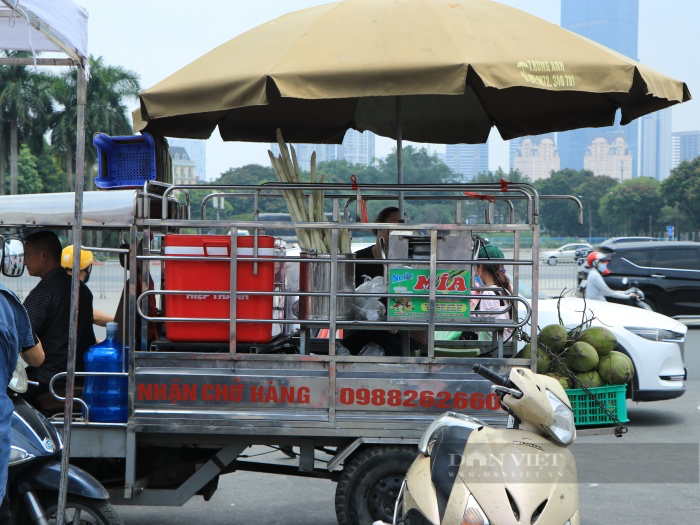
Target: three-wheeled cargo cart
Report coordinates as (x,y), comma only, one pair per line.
(221,376)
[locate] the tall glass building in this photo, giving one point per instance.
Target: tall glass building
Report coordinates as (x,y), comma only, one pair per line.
(467,160)
(357,148)
(613,23)
(196,151)
(685,146)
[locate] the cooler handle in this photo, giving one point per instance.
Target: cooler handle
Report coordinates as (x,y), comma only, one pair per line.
(216,244)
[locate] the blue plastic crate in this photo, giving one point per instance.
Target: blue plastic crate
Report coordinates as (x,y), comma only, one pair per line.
(124,162)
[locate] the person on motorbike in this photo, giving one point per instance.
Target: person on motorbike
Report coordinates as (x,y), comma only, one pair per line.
(596,289)
(86,259)
(16,338)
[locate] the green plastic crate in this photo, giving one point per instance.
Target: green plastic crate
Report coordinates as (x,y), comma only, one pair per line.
(587,412)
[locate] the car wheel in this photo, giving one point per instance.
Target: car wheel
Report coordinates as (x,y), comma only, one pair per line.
(552,261)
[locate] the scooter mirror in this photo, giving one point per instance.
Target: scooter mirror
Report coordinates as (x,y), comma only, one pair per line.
(19,382)
(13,258)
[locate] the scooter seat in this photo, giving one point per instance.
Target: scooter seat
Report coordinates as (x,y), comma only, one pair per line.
(445,459)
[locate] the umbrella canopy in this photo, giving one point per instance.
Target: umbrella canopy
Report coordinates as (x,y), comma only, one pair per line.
(458,66)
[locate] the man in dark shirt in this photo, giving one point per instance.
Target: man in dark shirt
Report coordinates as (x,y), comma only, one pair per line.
(49,307)
(391,341)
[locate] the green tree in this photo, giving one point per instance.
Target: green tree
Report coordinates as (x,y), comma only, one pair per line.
(64,123)
(559,217)
(25,107)
(340,171)
(590,193)
(676,217)
(631,207)
(108,90)
(52,177)
(682,189)
(28,179)
(419,167)
(501,210)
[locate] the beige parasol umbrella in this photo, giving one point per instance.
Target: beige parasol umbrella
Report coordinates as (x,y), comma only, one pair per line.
(458,67)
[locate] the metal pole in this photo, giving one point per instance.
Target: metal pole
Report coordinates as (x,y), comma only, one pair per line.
(75,287)
(399,155)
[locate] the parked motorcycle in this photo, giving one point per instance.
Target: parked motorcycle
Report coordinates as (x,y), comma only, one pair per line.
(34,471)
(470,473)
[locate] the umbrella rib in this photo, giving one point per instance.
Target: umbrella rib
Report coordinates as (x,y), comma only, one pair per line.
(476,94)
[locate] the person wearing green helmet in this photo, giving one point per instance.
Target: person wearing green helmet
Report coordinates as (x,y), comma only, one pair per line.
(491,273)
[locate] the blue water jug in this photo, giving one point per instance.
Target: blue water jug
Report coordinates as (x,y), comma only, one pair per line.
(106,396)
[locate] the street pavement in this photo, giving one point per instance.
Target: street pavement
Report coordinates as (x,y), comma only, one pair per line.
(636,479)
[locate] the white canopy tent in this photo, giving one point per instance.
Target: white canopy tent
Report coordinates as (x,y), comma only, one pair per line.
(41,26)
(58,26)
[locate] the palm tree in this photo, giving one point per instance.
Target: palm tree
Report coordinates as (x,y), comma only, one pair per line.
(105,112)
(25,106)
(64,122)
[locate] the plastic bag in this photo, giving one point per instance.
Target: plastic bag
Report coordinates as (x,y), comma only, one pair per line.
(372,350)
(370,308)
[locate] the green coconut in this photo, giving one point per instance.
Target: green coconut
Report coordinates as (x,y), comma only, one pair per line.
(581,357)
(542,358)
(600,338)
(564,381)
(554,337)
(558,367)
(590,379)
(616,368)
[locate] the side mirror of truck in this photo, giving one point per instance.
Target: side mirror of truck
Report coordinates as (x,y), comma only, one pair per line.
(12,258)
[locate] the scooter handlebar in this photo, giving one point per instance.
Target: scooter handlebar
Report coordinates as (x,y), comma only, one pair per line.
(493,376)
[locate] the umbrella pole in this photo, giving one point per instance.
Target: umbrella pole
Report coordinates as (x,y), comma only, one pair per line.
(399,156)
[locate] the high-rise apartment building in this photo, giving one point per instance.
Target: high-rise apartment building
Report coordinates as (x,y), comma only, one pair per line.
(613,23)
(467,160)
(357,148)
(655,145)
(184,168)
(685,146)
(535,156)
(196,151)
(613,159)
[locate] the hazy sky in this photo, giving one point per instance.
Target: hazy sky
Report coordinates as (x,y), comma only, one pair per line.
(155,38)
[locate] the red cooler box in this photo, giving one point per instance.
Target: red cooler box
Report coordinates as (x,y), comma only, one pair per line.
(215,275)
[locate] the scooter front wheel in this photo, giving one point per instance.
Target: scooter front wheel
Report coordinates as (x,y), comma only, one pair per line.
(81,511)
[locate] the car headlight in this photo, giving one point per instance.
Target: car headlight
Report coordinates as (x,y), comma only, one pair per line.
(656,334)
(19,455)
(563,428)
(473,515)
(448,419)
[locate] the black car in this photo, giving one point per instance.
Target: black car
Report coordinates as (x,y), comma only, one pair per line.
(668,272)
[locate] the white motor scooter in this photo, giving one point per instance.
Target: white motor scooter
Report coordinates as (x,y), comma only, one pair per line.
(468,473)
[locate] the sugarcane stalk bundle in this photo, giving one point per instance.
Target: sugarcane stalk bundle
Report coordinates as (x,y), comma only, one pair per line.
(286,169)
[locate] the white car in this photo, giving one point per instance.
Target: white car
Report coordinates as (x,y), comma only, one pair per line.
(566,253)
(654,342)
